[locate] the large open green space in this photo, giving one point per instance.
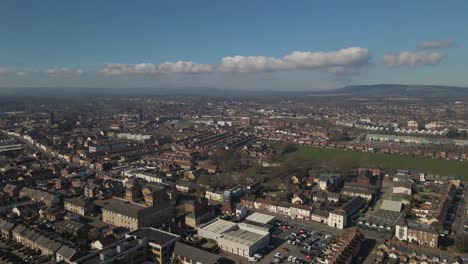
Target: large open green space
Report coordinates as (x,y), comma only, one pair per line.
(387,162)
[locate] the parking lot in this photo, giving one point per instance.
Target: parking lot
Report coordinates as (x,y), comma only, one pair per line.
(280,235)
(297,245)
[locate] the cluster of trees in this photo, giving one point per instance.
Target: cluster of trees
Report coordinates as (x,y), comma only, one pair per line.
(285,148)
(453,133)
(340,135)
(222,179)
(229,160)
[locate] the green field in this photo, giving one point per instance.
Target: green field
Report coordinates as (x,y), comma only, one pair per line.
(387,162)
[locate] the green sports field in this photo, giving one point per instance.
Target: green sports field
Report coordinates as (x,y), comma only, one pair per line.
(387,162)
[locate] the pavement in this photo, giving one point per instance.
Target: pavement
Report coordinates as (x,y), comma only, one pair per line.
(458,224)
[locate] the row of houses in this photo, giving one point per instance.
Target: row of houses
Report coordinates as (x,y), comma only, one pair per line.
(395,150)
(338,218)
(40,196)
(298,211)
(36,241)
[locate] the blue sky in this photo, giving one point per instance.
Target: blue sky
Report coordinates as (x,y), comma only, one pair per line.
(281,45)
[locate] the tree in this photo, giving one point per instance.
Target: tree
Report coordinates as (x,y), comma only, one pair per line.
(227,160)
(225,179)
(464,134)
(204,179)
(199,192)
(285,148)
(452,133)
(283,170)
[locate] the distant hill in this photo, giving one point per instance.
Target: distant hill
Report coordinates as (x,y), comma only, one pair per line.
(144,91)
(378,90)
(398,90)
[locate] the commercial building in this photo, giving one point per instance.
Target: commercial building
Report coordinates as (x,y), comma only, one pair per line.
(381,220)
(339,218)
(160,243)
(215,229)
(241,239)
(245,240)
(122,213)
(402,187)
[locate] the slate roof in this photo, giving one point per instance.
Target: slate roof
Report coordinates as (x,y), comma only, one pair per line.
(195,254)
(121,206)
(66,252)
(76,201)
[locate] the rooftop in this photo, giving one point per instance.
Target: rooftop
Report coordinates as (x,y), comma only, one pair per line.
(391,205)
(242,236)
(195,254)
(121,206)
(260,218)
(219,226)
(155,235)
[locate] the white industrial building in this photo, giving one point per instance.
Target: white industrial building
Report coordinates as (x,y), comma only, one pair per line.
(240,239)
(213,230)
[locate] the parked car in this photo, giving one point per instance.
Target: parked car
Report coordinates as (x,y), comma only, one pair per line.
(277,260)
(278,255)
(253,259)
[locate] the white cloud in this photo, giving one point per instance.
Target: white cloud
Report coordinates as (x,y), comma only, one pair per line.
(342,62)
(349,57)
(348,60)
(413,59)
(149,68)
(184,67)
(56,71)
(437,44)
(124,69)
(252,64)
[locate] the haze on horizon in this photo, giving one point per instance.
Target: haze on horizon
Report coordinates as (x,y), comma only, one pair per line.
(246,45)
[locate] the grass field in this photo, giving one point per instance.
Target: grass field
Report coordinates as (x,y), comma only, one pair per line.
(387,162)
